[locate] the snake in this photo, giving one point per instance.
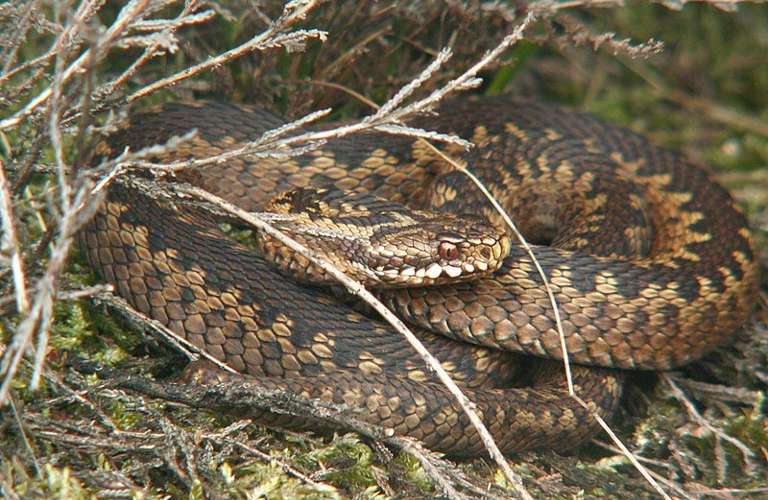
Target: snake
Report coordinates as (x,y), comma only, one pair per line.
(648,257)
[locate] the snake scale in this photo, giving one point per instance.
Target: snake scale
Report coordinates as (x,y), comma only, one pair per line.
(650,261)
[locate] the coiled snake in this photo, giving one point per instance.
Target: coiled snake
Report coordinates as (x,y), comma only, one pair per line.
(650,262)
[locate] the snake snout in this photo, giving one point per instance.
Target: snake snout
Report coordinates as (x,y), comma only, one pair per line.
(446,251)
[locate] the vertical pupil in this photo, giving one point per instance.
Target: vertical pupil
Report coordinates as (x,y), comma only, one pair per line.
(448,251)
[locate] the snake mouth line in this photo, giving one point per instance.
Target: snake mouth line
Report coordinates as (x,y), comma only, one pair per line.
(432,272)
(485,257)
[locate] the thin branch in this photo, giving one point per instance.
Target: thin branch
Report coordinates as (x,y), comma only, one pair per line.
(39,316)
(747,454)
(11,244)
(190,350)
(154,44)
(54,131)
(294,11)
(287,468)
(126,15)
(724,5)
(9,55)
(23,432)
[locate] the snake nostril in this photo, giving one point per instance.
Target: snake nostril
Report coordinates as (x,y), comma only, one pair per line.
(485,252)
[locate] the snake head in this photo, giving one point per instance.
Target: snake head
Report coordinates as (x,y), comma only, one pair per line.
(380,243)
(426,248)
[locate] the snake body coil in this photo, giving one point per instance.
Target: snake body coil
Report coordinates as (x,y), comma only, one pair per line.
(650,262)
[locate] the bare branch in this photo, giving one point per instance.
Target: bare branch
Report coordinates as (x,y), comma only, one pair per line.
(10,243)
(127,15)
(747,454)
(274,36)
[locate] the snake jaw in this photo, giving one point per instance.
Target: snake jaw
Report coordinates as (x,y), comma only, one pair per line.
(404,267)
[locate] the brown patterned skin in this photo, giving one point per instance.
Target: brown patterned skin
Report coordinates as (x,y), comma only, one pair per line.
(650,261)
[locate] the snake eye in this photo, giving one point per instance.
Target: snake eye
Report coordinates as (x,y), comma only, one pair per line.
(448,250)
